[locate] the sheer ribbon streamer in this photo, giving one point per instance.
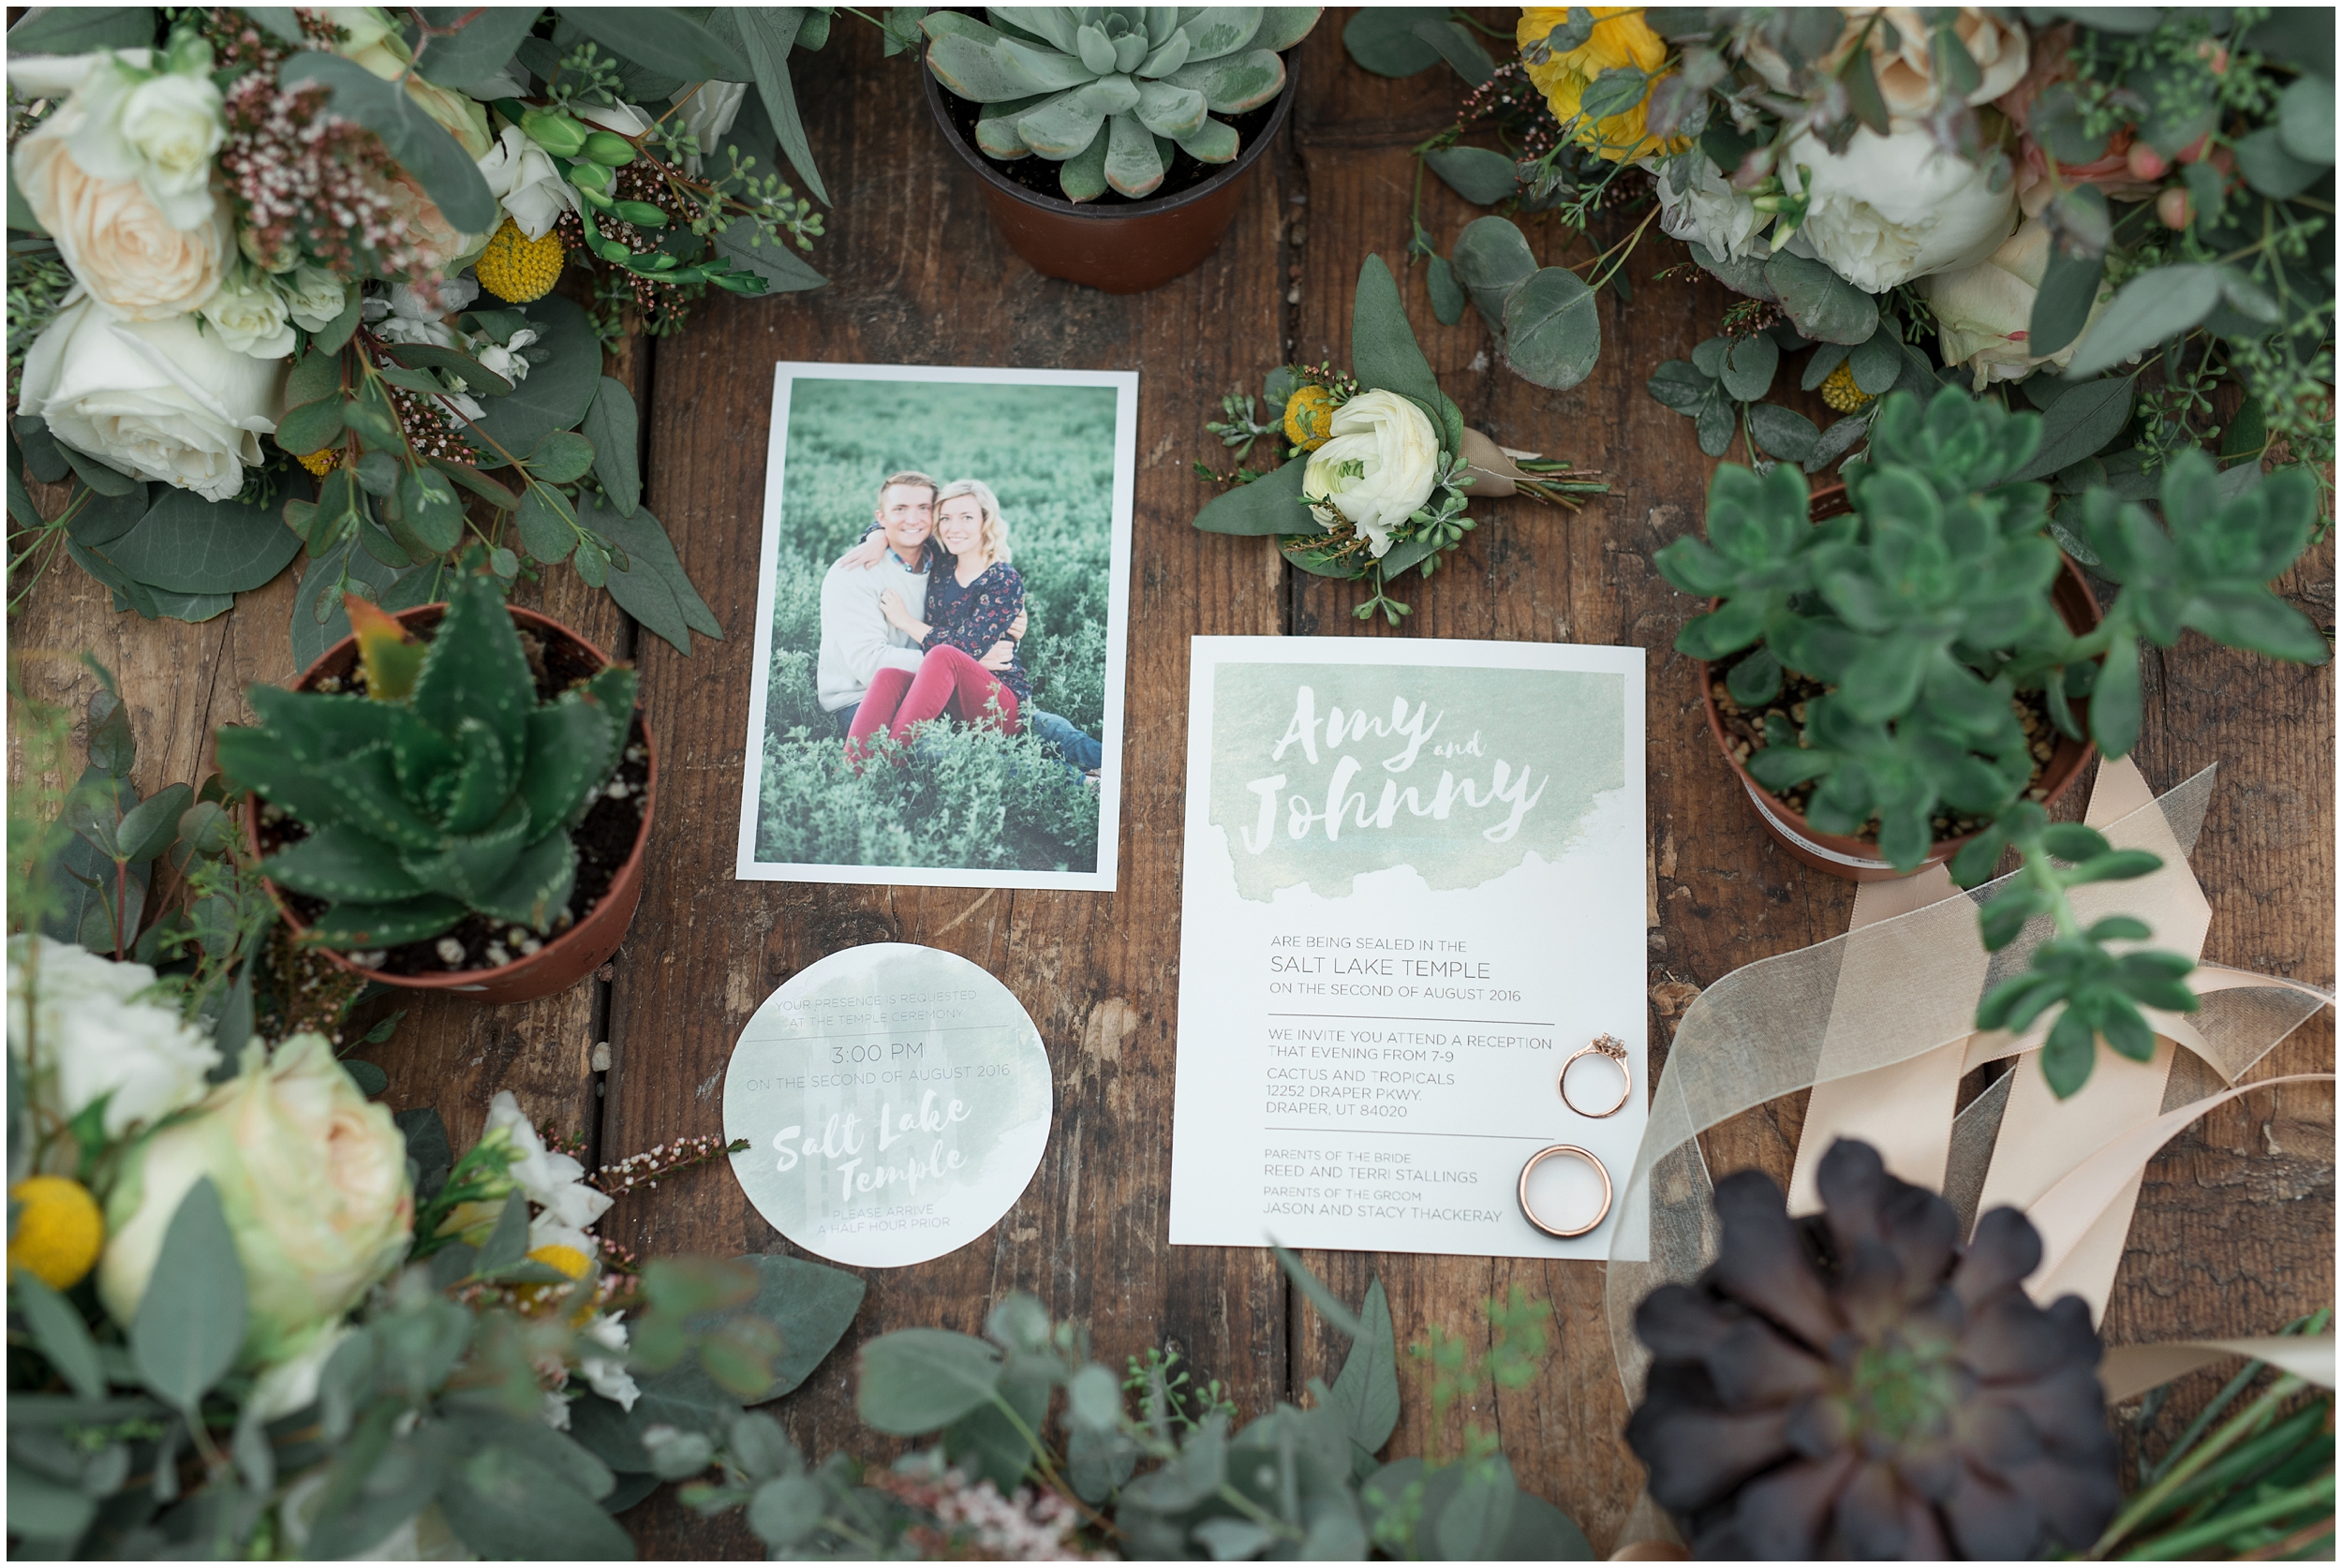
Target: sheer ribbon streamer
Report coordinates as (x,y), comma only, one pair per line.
(1880,1024)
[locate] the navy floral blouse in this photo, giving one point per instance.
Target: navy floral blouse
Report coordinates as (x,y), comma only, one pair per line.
(973,618)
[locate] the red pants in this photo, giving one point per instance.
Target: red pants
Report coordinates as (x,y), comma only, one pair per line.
(947,678)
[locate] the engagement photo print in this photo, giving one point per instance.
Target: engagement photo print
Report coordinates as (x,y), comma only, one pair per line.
(940,619)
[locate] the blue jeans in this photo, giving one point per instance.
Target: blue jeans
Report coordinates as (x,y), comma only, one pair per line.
(1081,753)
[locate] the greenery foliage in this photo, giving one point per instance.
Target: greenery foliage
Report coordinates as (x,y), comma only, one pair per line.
(1926,609)
(1146,1463)
(965,796)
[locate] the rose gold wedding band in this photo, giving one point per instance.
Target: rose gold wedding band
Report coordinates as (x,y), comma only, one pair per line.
(1544,1154)
(1616,1051)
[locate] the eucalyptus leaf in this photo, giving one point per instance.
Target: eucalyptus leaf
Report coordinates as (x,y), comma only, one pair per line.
(478,49)
(768,33)
(2077,424)
(649,575)
(81,29)
(781,268)
(1825,306)
(2069,287)
(661,37)
(2152,307)
(1475,173)
(1783,433)
(190,1323)
(1552,333)
(1448,298)
(1748,367)
(918,1379)
(1269,505)
(1382,38)
(614,428)
(188,545)
(1492,259)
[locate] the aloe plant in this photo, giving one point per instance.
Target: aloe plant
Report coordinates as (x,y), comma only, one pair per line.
(447,788)
(1927,609)
(1107,91)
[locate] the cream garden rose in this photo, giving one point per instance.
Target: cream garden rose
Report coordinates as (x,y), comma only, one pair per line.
(1377,466)
(128,116)
(312,1178)
(1985,312)
(314,297)
(81,1028)
(122,247)
(1906,72)
(163,400)
(1892,208)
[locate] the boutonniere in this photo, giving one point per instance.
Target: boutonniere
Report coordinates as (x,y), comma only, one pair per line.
(1380,468)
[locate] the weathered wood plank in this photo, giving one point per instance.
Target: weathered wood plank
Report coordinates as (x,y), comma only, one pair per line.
(921,277)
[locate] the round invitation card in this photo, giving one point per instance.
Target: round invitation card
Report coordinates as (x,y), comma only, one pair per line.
(896,1099)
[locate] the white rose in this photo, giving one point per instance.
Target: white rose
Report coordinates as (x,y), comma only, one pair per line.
(1894,208)
(1710,212)
(1377,466)
(709,107)
(79,1034)
(314,298)
(173,123)
(250,316)
(163,400)
(1985,312)
(522,175)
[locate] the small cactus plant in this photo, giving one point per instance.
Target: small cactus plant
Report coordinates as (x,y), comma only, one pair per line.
(447,788)
(1107,91)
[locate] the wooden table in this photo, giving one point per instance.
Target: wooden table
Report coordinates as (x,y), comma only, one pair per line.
(2235,1224)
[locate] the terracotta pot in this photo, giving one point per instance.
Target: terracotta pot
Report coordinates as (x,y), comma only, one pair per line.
(570,956)
(1127,247)
(1857,859)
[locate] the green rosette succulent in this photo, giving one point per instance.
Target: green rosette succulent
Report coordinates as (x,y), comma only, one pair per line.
(446,789)
(1108,92)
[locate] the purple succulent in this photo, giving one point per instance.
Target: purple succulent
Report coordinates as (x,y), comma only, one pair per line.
(1855,1384)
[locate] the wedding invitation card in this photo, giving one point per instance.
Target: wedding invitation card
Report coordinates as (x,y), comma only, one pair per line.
(1414,891)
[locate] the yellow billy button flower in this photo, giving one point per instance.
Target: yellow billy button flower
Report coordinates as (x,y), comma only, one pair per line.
(517,269)
(1310,417)
(565,1260)
(59,1232)
(1621,38)
(1841,393)
(321,462)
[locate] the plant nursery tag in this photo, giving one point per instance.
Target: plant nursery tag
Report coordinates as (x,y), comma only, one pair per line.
(1411,963)
(896,1099)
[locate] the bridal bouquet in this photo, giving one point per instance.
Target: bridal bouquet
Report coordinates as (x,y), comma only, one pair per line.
(1380,466)
(285,277)
(2139,202)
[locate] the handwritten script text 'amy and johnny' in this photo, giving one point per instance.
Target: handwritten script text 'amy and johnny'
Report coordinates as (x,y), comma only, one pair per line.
(1345,807)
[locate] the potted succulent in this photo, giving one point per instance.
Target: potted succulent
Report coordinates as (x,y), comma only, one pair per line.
(455,798)
(1893,652)
(1112,142)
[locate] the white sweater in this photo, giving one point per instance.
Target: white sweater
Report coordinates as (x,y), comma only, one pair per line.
(857,640)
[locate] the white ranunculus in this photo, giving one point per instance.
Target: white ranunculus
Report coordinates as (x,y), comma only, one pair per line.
(522,175)
(709,107)
(81,1033)
(1984,312)
(1377,466)
(250,316)
(314,297)
(163,400)
(1710,212)
(1892,208)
